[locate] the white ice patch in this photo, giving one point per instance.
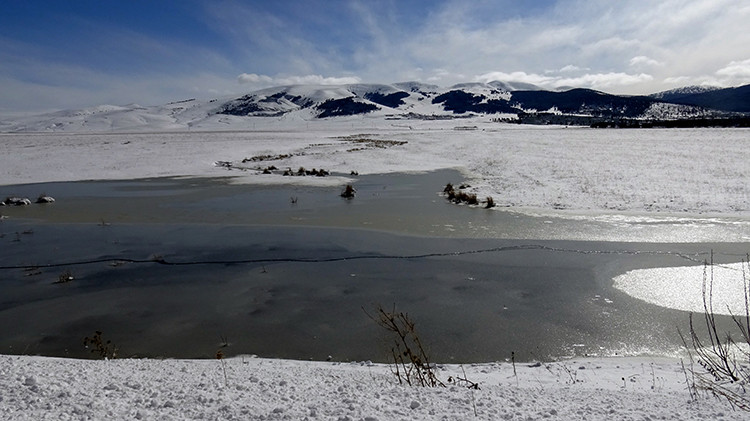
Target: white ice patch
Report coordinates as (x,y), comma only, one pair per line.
(681,288)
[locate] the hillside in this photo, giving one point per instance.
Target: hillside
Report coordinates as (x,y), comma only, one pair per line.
(728,99)
(507,101)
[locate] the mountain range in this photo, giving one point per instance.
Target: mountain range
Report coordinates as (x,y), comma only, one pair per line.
(508,101)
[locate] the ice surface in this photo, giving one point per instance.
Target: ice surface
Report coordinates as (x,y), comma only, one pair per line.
(681,288)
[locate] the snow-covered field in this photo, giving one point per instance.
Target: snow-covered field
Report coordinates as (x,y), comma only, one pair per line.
(35,388)
(530,168)
(566,172)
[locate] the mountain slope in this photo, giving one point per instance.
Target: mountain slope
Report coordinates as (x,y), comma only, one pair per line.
(583,101)
(727,99)
(678,93)
(400,100)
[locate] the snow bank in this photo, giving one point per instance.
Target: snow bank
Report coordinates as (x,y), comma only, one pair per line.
(261,389)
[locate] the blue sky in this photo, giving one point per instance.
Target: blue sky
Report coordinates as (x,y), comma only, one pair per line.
(75,53)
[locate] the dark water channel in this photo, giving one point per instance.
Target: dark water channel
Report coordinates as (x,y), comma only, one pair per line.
(174,268)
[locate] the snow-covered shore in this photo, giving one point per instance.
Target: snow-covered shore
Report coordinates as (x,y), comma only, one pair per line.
(529,168)
(35,388)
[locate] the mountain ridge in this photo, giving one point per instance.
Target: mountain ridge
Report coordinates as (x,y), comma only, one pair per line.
(735,99)
(406,100)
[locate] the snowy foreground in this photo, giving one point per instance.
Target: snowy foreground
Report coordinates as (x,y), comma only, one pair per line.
(37,388)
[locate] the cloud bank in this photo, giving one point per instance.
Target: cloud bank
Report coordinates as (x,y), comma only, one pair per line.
(263,80)
(622,47)
(61,56)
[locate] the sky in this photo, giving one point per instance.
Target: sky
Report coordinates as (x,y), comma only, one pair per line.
(63,54)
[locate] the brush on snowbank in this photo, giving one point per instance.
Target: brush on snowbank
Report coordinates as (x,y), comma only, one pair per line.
(411,364)
(725,362)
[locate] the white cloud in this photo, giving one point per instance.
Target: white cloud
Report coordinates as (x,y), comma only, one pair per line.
(733,74)
(570,68)
(589,80)
(253,78)
(605,80)
(516,77)
(678,80)
(631,45)
(443,76)
(318,80)
(264,80)
(736,71)
(554,37)
(602,49)
(643,61)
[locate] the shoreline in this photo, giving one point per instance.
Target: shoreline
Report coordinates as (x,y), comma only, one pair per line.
(339,180)
(675,172)
(222,201)
(256,388)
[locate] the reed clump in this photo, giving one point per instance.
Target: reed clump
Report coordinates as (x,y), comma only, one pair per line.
(461,196)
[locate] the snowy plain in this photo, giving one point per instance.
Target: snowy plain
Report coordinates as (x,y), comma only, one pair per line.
(529,168)
(622,176)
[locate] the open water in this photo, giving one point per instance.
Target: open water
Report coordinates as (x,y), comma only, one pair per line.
(181,267)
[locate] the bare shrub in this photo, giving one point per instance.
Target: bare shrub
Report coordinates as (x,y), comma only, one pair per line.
(100,347)
(725,362)
(410,362)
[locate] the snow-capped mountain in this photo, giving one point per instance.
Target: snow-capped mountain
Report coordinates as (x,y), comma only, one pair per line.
(683,92)
(406,100)
(727,99)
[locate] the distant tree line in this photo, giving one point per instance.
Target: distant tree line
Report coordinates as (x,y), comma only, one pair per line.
(625,123)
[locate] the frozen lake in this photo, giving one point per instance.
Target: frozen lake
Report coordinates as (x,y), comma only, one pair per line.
(292,278)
